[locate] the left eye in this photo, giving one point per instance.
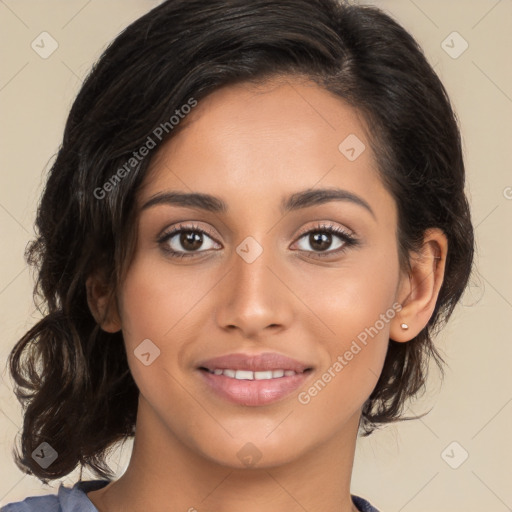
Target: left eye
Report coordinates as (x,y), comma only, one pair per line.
(321,239)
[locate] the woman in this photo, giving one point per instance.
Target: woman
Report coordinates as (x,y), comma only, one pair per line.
(254,224)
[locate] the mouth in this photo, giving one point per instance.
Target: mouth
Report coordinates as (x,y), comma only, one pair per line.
(253,379)
(255,363)
(254,375)
(253,388)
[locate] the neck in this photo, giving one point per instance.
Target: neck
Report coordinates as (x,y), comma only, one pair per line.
(165,474)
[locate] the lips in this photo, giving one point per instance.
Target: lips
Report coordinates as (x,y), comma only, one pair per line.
(256,363)
(254,380)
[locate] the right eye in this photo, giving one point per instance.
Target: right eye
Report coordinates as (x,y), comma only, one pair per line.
(184,241)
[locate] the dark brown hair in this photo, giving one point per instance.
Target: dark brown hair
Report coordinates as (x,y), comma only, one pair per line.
(73,378)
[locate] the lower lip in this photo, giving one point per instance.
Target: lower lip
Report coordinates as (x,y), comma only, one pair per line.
(254,392)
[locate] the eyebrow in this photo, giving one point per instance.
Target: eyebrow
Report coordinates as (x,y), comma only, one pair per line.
(296,201)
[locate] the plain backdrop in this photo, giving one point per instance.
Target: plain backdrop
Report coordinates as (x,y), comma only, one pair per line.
(457,458)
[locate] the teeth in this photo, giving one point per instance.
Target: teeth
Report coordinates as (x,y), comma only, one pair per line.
(263,375)
(243,375)
(249,375)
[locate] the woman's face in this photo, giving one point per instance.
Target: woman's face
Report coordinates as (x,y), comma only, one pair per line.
(261,275)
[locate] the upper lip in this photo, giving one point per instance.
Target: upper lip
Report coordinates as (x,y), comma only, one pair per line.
(255,362)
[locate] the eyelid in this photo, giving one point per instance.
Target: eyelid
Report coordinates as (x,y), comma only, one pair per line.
(326,225)
(182,226)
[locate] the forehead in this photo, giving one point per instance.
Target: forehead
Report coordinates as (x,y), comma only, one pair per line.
(261,142)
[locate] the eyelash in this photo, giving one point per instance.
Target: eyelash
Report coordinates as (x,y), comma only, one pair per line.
(348,239)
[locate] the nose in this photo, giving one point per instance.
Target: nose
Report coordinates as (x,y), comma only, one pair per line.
(255,298)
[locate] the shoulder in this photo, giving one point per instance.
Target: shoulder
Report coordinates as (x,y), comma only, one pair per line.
(49,503)
(68,499)
(361,504)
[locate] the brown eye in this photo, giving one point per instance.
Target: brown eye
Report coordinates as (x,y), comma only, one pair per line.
(190,240)
(321,239)
(186,241)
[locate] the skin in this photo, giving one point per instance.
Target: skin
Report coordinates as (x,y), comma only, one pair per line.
(252,146)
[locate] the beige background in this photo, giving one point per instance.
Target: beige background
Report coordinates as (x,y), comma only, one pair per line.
(401,468)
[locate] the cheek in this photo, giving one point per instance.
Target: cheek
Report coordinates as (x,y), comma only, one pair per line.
(149,307)
(159,303)
(352,297)
(355,305)
(155,298)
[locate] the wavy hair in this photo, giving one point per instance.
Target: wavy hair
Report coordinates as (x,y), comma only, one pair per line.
(72,378)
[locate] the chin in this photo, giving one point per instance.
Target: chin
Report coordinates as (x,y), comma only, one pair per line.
(254,452)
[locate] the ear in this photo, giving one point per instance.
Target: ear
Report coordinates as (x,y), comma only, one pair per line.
(419,289)
(102,304)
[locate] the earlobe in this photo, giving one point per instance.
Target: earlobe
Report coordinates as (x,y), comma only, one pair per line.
(400,329)
(101,304)
(419,292)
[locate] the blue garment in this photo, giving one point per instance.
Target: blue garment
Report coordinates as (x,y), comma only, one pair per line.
(361,504)
(75,499)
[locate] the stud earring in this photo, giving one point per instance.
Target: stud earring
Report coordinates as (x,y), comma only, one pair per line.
(404,326)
